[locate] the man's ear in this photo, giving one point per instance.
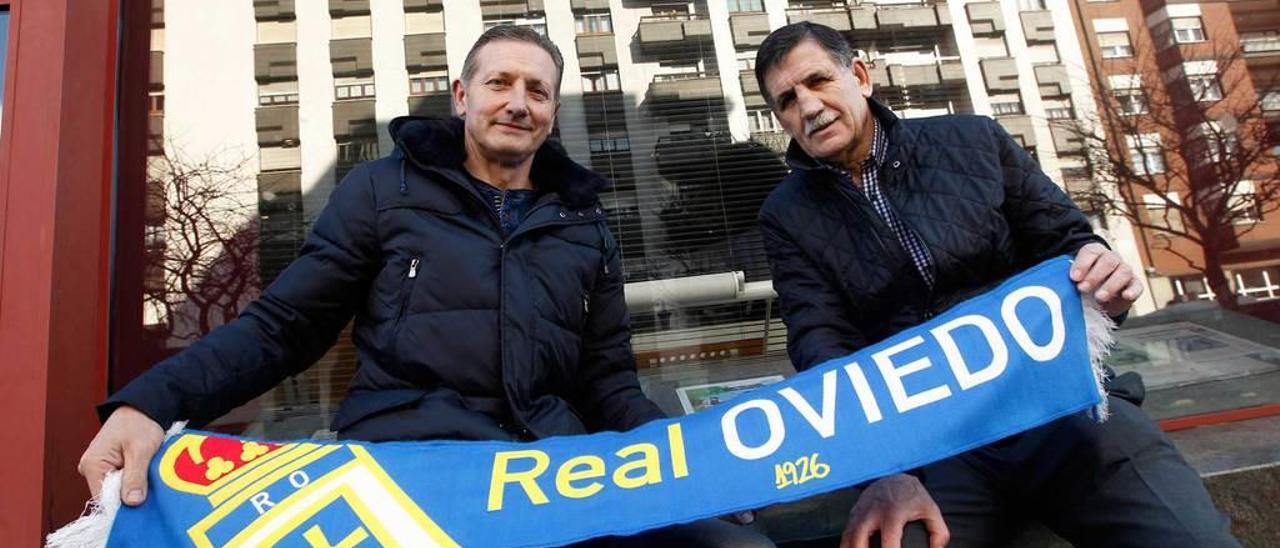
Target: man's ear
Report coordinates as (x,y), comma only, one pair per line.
(860,71)
(459,93)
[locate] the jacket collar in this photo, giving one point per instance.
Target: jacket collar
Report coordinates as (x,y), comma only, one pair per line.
(438,143)
(797,158)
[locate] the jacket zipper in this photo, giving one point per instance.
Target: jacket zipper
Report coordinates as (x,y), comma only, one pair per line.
(409,279)
(906,225)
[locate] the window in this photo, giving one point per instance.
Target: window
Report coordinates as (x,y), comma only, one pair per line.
(600,80)
(1212,142)
(1260,42)
(427,84)
(746,5)
(609,144)
(593,23)
(1006,107)
(1259,283)
(1202,78)
(761,120)
(155,102)
(1187,30)
(1115,44)
(353,91)
(1244,203)
(1269,100)
(1205,87)
(1059,113)
(1144,153)
(538,24)
(269,99)
(1159,212)
(747,60)
(1193,287)
(1131,101)
(1031,5)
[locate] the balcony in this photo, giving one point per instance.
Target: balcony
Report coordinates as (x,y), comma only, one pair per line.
(507,9)
(670,88)
(354,118)
(596,51)
(1037,26)
(1053,80)
(1066,138)
(1000,74)
(1260,45)
(273,10)
(945,71)
(434,105)
(275,62)
(1021,128)
(348,8)
(751,89)
(913,17)
(277,125)
(155,134)
(582,5)
(661,32)
(423,5)
(985,18)
(156,69)
(838,19)
(749,29)
(425,51)
(863,17)
(351,57)
(277,158)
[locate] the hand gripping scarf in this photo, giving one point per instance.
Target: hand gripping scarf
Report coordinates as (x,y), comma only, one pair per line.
(1019,356)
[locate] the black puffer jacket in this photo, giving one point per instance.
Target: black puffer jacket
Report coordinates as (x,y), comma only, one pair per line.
(977,200)
(461,333)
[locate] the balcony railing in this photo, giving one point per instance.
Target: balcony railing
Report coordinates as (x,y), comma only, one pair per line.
(1260,44)
(667,29)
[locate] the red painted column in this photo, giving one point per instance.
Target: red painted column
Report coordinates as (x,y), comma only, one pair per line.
(56,163)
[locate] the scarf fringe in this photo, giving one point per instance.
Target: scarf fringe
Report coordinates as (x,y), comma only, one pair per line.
(93,527)
(1099,329)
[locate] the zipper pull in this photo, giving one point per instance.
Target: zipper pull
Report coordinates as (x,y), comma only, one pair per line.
(413,268)
(586,303)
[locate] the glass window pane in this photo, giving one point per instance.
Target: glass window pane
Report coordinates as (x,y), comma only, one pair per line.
(685,195)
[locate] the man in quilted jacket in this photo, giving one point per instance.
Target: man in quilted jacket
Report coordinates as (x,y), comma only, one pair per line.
(884,223)
(485,286)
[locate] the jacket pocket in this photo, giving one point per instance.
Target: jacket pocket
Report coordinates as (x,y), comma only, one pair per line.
(410,280)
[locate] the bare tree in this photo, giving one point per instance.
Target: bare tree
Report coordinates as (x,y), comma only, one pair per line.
(202,243)
(1185,153)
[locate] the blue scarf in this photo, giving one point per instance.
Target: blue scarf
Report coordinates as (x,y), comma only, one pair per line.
(1014,358)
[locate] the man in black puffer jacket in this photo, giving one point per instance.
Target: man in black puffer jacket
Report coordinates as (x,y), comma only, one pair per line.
(884,223)
(486,288)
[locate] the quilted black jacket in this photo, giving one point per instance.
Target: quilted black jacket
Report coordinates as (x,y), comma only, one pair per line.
(977,200)
(461,333)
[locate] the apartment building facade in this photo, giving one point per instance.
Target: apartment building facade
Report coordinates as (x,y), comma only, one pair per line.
(286,97)
(1192,84)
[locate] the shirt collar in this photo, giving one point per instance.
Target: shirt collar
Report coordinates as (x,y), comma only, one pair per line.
(875,153)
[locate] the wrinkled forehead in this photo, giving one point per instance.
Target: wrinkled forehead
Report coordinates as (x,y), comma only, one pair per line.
(805,61)
(517,58)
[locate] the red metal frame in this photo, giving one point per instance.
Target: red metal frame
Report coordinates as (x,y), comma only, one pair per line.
(1219,417)
(56,162)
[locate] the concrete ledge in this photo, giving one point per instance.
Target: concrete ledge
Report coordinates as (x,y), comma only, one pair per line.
(1239,462)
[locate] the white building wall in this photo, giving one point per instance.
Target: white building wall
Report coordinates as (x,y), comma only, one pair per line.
(315,106)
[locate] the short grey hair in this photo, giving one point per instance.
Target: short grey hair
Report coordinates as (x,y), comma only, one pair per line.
(514,33)
(782,41)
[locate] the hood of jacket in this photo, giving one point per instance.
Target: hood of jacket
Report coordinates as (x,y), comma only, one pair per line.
(438,143)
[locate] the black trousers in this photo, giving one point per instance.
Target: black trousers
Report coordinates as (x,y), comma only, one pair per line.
(707,533)
(1118,483)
